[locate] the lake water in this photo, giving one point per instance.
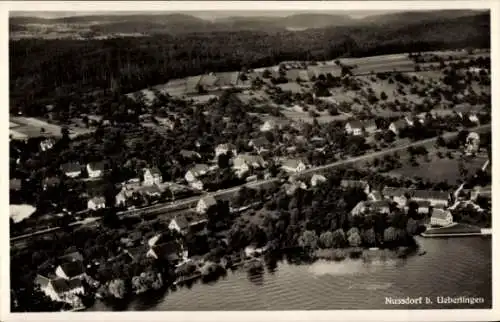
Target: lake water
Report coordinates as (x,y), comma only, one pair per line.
(451,267)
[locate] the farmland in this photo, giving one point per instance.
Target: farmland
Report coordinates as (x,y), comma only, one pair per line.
(439,169)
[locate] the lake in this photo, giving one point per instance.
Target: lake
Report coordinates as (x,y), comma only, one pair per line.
(452,267)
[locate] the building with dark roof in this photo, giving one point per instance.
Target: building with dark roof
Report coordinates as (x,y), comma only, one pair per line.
(70,270)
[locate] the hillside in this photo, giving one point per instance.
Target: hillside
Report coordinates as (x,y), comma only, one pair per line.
(40,67)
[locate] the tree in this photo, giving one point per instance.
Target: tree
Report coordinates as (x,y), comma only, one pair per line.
(339,238)
(368,237)
(117,288)
(383,96)
(308,239)
(326,239)
(353,237)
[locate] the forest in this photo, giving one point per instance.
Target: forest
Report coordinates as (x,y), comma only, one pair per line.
(42,69)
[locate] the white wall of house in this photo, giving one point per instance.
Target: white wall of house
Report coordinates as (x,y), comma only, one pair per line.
(73,174)
(196,185)
(201,207)
(393,128)
(94,206)
(174,226)
(93,173)
(152,179)
(442,222)
(190,177)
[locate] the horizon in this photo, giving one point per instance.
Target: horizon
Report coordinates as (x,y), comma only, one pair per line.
(217,14)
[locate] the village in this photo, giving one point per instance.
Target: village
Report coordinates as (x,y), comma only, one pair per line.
(193,184)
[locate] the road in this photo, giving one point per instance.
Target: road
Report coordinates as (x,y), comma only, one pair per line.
(189,202)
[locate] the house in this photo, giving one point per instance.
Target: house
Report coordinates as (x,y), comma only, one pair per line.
(152,176)
(397,126)
(50,182)
(198,185)
(71,270)
(317,179)
(61,290)
(260,145)
(423,206)
(274,123)
(71,257)
(402,195)
(95,169)
(96,203)
(354,127)
(441,217)
(363,207)
(126,193)
(71,169)
(47,144)
(375,195)
(355,184)
(472,116)
(251,251)
(225,148)
(205,203)
(293,165)
(196,171)
(189,155)
(171,251)
(192,221)
(244,162)
(472,143)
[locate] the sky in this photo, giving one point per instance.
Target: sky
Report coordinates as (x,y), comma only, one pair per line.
(200,14)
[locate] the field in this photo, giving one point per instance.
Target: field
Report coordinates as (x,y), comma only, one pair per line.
(29,127)
(20,212)
(437,170)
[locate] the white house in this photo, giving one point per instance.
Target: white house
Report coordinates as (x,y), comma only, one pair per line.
(198,184)
(61,290)
(96,203)
(47,144)
(71,169)
(244,162)
(225,148)
(95,169)
(205,203)
(472,143)
(354,127)
(397,126)
(195,172)
(273,124)
(293,165)
(441,217)
(317,179)
(152,176)
(181,223)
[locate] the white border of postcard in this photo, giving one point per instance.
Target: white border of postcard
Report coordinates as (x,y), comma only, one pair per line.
(344,315)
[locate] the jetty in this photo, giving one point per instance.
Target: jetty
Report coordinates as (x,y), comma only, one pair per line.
(457,230)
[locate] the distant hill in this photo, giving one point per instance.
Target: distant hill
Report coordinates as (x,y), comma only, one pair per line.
(412,17)
(183,23)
